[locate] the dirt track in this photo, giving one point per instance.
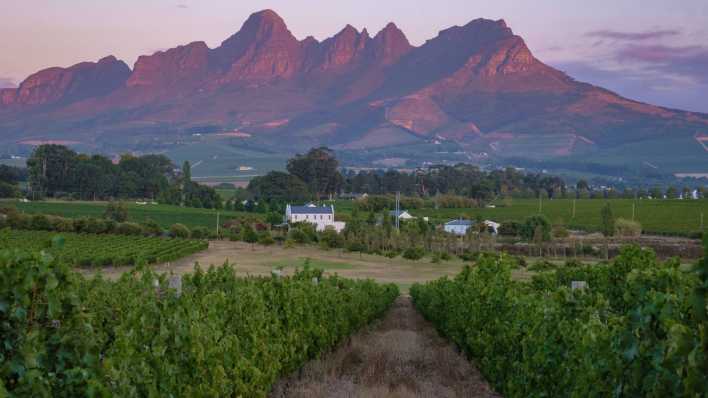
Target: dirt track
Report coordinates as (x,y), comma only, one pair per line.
(400,356)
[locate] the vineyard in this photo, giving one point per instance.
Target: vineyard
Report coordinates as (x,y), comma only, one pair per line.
(634,327)
(164,215)
(207,334)
(91,250)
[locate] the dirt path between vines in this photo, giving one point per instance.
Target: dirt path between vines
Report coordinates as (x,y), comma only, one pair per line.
(399,356)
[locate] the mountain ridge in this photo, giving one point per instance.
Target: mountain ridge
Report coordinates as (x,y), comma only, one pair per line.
(478,85)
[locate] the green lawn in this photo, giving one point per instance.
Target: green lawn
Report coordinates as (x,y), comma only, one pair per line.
(165,215)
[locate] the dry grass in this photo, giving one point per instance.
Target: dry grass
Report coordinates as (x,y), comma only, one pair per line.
(259,260)
(400,356)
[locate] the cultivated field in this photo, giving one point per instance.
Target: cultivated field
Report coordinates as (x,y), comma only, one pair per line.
(165,215)
(681,217)
(90,250)
(656,216)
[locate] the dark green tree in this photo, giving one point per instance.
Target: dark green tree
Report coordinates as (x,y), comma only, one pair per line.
(319,170)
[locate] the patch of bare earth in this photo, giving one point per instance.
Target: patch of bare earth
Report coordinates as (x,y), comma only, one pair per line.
(400,356)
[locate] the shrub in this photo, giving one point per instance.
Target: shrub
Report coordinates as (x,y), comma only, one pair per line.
(541,265)
(331,239)
(559,231)
(129,228)
(40,222)
(627,228)
(90,225)
(179,231)
(18,220)
(391,253)
(200,233)
(356,247)
(116,211)
(512,228)
(152,228)
(414,253)
(265,239)
(298,236)
(248,234)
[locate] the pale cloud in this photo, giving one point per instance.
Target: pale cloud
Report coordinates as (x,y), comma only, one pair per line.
(7,82)
(634,36)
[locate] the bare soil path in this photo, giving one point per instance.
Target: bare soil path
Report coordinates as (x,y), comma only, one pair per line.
(399,356)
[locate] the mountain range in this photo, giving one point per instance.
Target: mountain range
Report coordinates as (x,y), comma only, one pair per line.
(475,90)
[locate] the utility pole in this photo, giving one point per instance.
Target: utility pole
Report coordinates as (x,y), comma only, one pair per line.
(701,221)
(634,204)
(398,210)
(540,203)
(217,224)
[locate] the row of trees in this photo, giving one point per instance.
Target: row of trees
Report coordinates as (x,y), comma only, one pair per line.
(57,171)
(316,175)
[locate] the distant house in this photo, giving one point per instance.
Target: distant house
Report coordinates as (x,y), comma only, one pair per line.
(401,214)
(492,226)
(321,216)
(458,227)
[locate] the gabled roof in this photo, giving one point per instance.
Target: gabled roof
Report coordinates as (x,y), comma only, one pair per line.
(464,223)
(400,212)
(310,209)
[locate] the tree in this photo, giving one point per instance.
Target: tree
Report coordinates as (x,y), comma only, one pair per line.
(51,169)
(186,172)
(534,225)
(655,193)
(672,192)
(248,235)
(318,169)
(277,186)
(582,185)
(116,211)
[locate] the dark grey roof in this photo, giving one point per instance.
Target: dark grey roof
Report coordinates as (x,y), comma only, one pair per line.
(311,210)
(465,223)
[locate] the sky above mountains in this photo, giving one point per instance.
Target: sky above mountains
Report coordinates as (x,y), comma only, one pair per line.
(649,50)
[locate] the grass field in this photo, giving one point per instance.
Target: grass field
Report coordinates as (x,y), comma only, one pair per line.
(165,215)
(656,216)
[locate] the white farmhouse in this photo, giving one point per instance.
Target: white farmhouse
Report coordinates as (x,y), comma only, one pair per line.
(458,227)
(321,216)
